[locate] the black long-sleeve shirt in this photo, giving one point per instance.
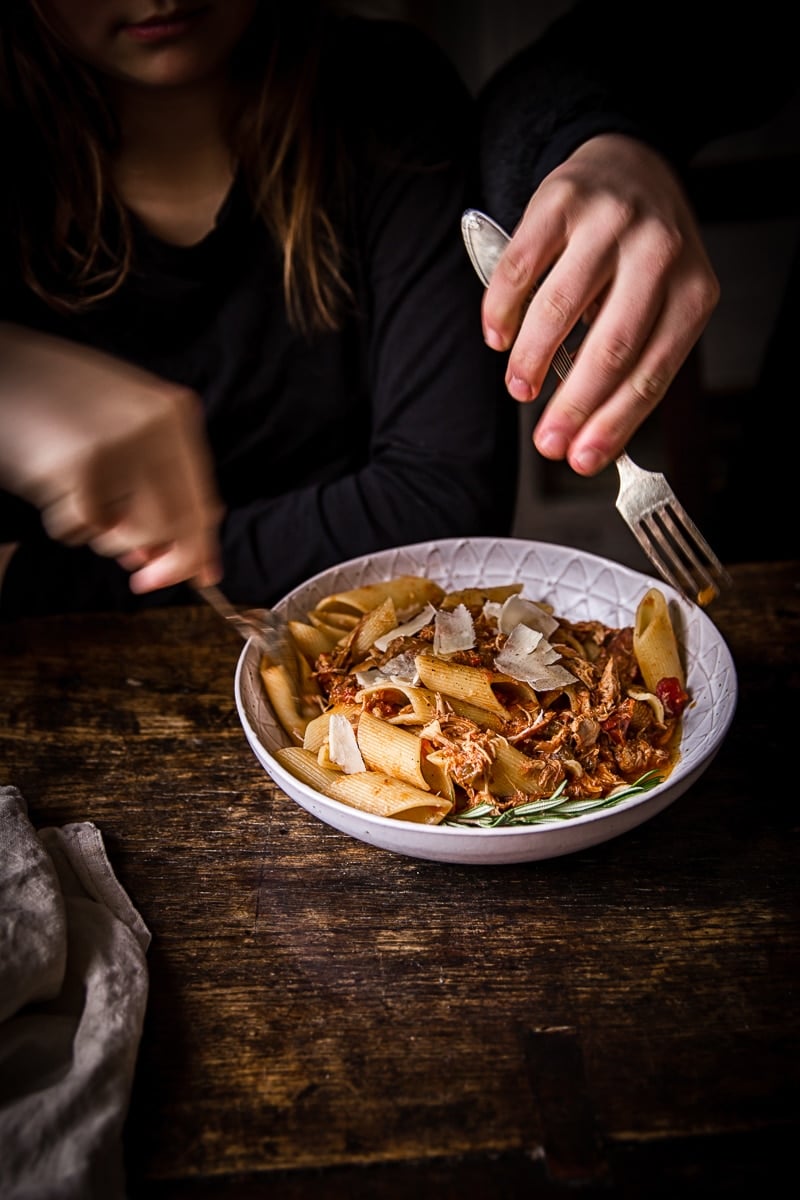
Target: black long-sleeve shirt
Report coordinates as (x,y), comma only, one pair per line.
(394,430)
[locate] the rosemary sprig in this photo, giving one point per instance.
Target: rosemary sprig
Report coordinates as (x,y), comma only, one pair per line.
(555,807)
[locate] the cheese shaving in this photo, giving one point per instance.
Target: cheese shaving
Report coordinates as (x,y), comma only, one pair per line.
(518,611)
(342,745)
(423,618)
(453,631)
(402,667)
(529,657)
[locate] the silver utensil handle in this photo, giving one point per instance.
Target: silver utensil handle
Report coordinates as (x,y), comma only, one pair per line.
(485,241)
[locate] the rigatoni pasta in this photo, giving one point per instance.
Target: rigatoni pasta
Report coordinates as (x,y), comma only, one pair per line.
(371,791)
(423,705)
(654,642)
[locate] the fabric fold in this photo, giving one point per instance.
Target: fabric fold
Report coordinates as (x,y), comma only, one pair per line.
(73,993)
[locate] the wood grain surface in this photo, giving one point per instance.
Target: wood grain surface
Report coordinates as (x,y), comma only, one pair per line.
(327,1019)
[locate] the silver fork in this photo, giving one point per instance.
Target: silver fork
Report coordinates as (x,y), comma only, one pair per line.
(261,624)
(647,503)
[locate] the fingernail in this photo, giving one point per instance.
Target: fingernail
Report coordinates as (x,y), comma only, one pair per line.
(588,461)
(551,444)
(493,339)
(520,389)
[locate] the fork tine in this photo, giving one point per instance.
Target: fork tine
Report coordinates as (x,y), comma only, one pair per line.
(680,553)
(268,630)
(649,541)
(699,575)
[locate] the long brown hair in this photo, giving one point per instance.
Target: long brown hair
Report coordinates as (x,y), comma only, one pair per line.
(59,136)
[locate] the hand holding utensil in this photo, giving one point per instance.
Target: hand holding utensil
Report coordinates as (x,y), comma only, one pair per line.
(645,500)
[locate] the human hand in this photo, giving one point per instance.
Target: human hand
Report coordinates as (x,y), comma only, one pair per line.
(112,456)
(609,237)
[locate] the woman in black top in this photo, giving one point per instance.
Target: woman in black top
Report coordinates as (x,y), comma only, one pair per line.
(272,228)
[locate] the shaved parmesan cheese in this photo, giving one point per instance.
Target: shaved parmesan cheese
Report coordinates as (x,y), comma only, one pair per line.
(523,640)
(342,745)
(529,657)
(492,610)
(453,631)
(367,678)
(423,618)
(518,611)
(402,667)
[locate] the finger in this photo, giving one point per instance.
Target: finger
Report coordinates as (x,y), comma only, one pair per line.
(173,502)
(194,551)
(564,248)
(178,563)
(169,568)
(182,502)
(606,432)
(609,353)
(92,501)
(137,558)
(190,524)
(74,519)
(118,542)
(534,247)
(574,283)
(591,428)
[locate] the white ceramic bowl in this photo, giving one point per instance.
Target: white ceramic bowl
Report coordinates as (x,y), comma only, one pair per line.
(579,586)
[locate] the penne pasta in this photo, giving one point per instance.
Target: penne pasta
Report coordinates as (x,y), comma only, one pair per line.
(439,779)
(392,750)
(513,771)
(422,704)
(335,623)
(311,641)
(280,689)
(387,797)
(480,716)
(316,731)
(306,685)
(473,684)
(371,626)
(511,690)
(405,591)
(474,598)
(305,767)
(369,791)
(654,642)
(400,703)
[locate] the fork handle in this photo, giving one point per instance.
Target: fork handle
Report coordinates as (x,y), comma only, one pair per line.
(485,241)
(213,596)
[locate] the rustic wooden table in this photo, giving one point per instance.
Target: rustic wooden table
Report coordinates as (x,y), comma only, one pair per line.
(329,1020)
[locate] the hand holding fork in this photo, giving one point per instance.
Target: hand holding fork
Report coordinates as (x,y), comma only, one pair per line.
(645,500)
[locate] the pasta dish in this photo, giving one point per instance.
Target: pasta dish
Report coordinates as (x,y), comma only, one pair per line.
(476,707)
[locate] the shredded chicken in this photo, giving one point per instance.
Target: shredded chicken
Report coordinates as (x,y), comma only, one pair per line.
(464,749)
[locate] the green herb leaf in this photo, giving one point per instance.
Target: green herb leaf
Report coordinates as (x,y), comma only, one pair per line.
(554,808)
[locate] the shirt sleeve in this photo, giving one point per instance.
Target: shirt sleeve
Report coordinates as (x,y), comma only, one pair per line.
(672,76)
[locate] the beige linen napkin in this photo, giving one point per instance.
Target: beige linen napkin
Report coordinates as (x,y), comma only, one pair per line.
(73,991)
